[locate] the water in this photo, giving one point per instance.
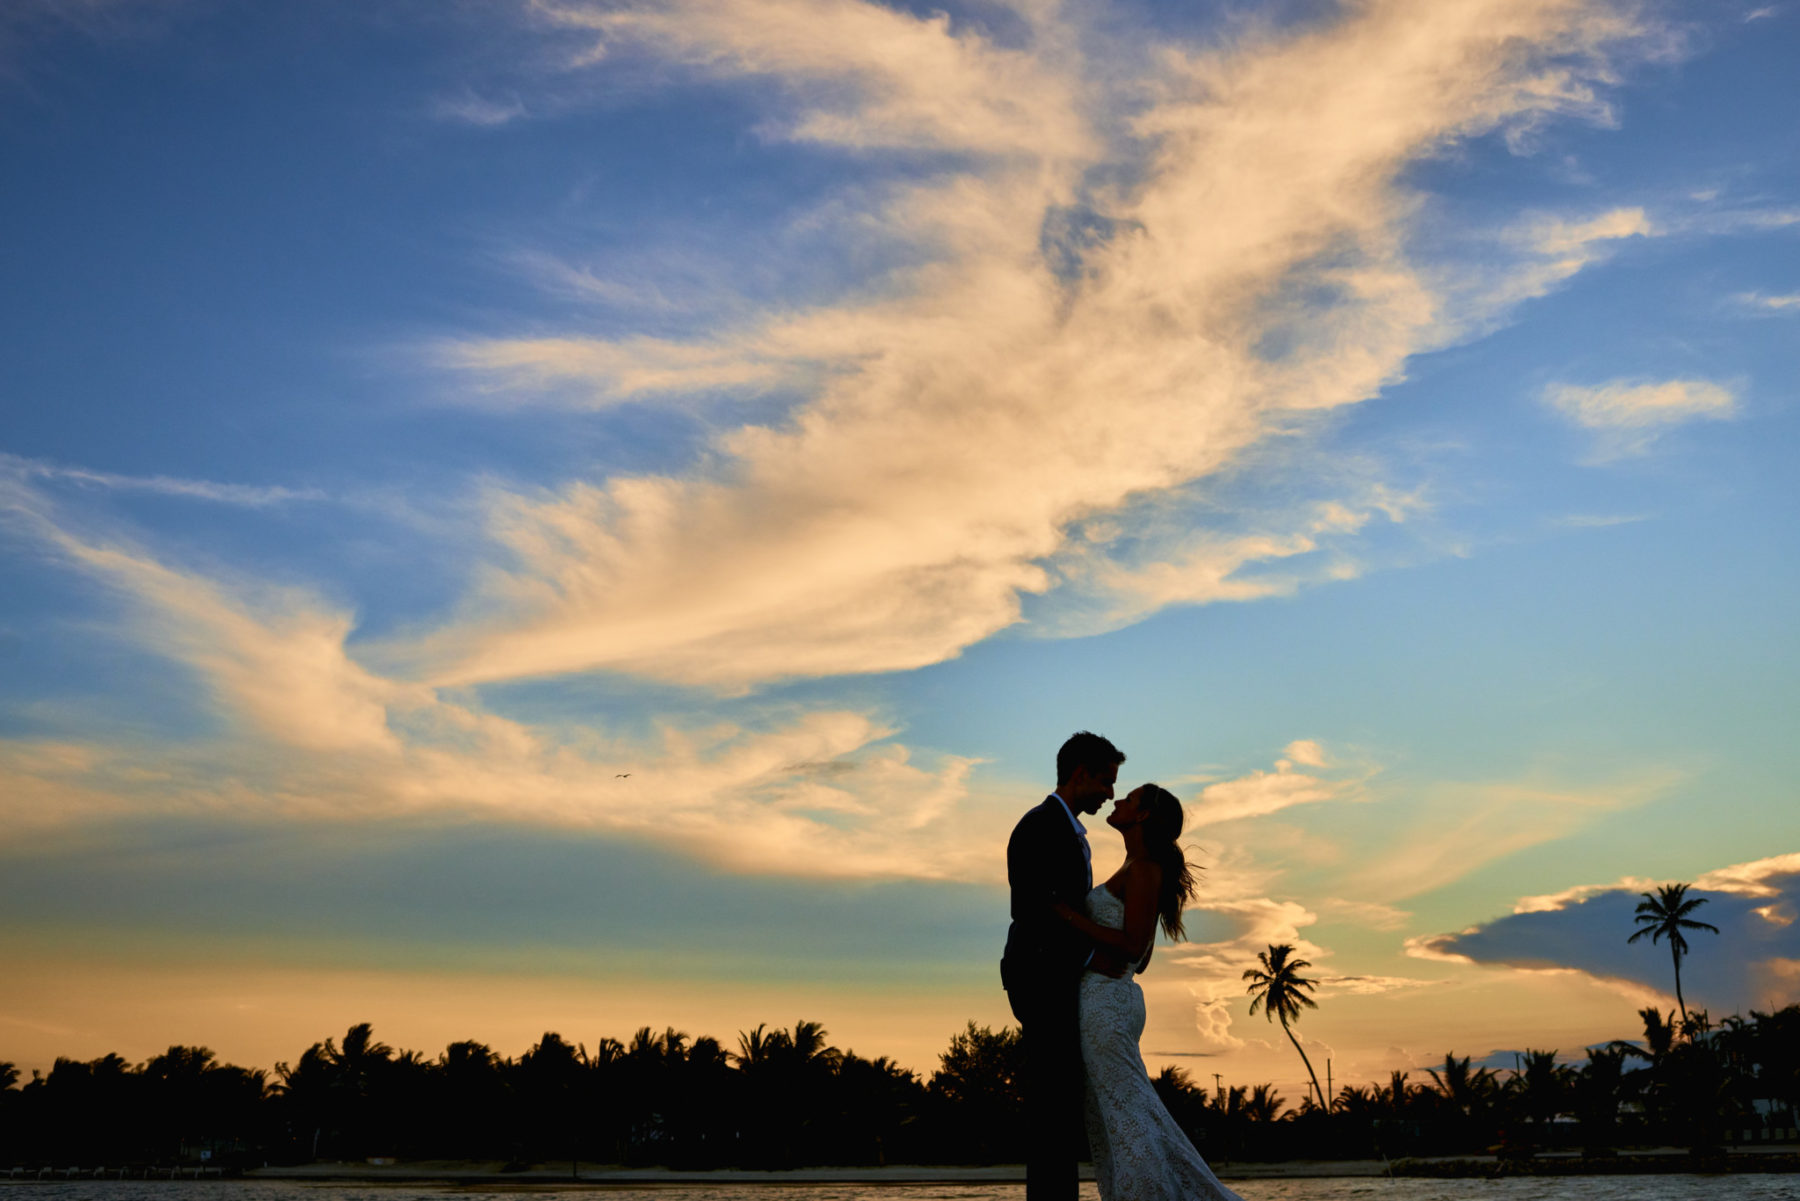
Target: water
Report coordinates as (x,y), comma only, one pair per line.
(1579,1188)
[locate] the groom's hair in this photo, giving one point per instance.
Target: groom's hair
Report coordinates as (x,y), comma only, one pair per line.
(1085,750)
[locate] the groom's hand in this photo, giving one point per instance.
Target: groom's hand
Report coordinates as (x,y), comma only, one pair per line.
(1107,964)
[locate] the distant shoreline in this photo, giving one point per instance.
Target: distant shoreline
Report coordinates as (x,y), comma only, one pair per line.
(1657,1163)
(542,1176)
(493,1175)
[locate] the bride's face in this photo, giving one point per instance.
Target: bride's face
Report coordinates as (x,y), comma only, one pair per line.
(1127,812)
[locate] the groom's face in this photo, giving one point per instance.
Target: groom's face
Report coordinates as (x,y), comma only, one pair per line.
(1087,790)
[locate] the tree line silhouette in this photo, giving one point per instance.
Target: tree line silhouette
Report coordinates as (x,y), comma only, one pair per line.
(787,1098)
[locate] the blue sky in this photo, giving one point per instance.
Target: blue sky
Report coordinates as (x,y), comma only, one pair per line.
(601,513)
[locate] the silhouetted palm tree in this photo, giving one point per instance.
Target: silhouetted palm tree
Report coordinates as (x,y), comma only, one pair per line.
(472,1109)
(1264,1104)
(809,1049)
(754,1045)
(1542,1088)
(1664,914)
(1659,1033)
(1466,1096)
(1354,1102)
(1599,1088)
(1280,990)
(1466,1090)
(1398,1096)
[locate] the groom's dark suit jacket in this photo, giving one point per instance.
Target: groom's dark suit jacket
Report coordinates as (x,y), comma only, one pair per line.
(1044,864)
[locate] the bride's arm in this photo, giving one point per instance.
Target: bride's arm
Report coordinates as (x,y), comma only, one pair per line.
(1112,938)
(1133,942)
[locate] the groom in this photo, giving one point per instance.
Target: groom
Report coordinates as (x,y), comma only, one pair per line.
(1048,860)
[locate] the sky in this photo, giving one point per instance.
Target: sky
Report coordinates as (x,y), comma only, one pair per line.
(582,514)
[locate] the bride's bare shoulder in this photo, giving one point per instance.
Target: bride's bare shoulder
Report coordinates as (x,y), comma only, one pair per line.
(1147,871)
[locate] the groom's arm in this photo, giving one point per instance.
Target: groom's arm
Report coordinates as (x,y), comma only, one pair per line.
(1031,854)
(1106,954)
(1033,891)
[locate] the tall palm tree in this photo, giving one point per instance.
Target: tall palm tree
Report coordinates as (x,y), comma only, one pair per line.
(1664,914)
(1280,991)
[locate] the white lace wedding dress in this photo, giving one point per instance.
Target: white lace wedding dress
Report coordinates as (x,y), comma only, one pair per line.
(1140,1154)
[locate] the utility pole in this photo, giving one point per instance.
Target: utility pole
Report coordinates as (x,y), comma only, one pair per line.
(1330,1091)
(1219,1084)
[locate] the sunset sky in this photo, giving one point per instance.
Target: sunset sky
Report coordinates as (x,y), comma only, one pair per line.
(583,514)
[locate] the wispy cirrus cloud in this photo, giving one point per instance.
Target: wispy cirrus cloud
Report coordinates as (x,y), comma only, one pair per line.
(856,74)
(1371,914)
(308,732)
(1211,972)
(472,108)
(1101,583)
(1627,416)
(1766,303)
(1600,521)
(250,495)
(25,21)
(615,373)
(1457,827)
(1265,792)
(968,411)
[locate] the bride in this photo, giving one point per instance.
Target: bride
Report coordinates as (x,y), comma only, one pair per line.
(1140,1154)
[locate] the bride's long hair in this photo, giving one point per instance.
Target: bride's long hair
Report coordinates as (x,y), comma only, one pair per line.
(1163,820)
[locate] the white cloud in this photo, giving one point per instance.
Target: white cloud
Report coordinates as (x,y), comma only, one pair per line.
(1579,930)
(1100,586)
(970,411)
(1749,879)
(1552,902)
(1628,416)
(1462,826)
(1599,521)
(312,733)
(1306,752)
(612,373)
(1371,914)
(1260,793)
(1264,792)
(1212,973)
(1729,222)
(1789,302)
(274,658)
(250,495)
(1563,238)
(1368,986)
(484,111)
(859,74)
(23,22)
(1436,947)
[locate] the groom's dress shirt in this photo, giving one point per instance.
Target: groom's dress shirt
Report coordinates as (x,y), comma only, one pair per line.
(1087,849)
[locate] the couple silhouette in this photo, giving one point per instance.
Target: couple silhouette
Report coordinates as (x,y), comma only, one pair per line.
(1073,953)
